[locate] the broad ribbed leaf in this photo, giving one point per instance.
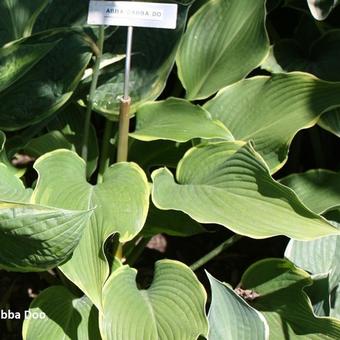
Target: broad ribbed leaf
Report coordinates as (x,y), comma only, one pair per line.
(320,257)
(321,8)
(318,189)
(178,120)
(36,238)
(66,317)
(120,205)
(230,317)
(317,257)
(173,308)
(229,184)
(224,41)
(49,84)
(153,56)
(283,302)
(271,110)
(18,17)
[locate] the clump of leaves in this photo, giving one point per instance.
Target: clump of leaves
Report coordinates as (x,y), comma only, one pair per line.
(205,149)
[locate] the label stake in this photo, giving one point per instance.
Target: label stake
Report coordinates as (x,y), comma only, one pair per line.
(130,13)
(125,102)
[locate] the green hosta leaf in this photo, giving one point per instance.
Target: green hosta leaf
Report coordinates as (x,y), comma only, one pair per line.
(10,169)
(120,205)
(230,317)
(321,59)
(156,153)
(37,238)
(172,308)
(178,120)
(153,55)
(46,143)
(335,301)
(271,110)
(66,316)
(320,257)
(300,5)
(62,13)
(170,222)
(18,58)
(321,8)
(318,189)
(11,187)
(318,292)
(18,17)
(49,84)
(272,4)
(229,184)
(284,303)
(330,121)
(317,257)
(225,40)
(66,131)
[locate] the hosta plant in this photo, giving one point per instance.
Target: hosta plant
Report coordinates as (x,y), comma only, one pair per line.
(217,109)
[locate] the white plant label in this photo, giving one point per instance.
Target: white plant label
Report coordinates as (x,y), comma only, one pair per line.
(132,13)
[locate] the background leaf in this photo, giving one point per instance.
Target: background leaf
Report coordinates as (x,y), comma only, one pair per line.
(330,121)
(225,40)
(320,9)
(11,187)
(18,58)
(62,13)
(320,58)
(170,222)
(18,17)
(49,84)
(318,189)
(65,131)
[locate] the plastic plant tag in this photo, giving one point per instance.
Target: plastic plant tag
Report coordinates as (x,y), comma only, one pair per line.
(132,13)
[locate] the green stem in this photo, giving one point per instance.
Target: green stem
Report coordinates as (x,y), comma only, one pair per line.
(226,244)
(105,150)
(95,75)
